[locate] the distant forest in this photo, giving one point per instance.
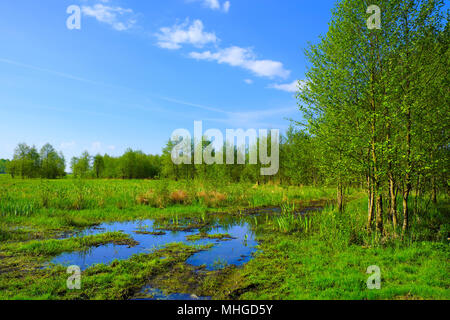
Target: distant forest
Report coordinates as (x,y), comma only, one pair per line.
(3,163)
(298,164)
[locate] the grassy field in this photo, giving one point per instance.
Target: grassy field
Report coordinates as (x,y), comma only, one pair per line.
(329,261)
(324,255)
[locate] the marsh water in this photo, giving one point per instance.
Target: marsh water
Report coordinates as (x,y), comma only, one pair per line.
(236,250)
(152,235)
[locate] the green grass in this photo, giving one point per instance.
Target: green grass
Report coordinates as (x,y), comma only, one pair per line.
(117,281)
(200,236)
(29,208)
(310,269)
(53,247)
(318,256)
(330,259)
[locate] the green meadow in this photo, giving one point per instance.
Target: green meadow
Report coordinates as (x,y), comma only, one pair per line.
(321,255)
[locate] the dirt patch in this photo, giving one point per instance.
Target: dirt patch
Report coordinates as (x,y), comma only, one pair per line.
(202,235)
(152,233)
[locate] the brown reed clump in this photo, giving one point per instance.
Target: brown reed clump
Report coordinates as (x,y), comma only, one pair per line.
(179,196)
(213,198)
(144,198)
(150,198)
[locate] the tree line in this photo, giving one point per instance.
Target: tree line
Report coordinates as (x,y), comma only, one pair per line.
(377,102)
(131,165)
(28,162)
(3,164)
(298,164)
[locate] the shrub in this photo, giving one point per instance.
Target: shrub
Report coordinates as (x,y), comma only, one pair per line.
(213,198)
(151,198)
(179,196)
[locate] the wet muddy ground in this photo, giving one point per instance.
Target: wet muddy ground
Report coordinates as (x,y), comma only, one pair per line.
(231,239)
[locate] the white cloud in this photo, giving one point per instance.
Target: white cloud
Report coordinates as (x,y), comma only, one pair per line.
(173,37)
(226,6)
(67,145)
(119,18)
(248,81)
(288,87)
(96,146)
(214,4)
(244,58)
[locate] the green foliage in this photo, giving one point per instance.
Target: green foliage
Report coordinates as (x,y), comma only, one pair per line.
(52,164)
(81,167)
(28,163)
(25,163)
(375,103)
(3,165)
(54,247)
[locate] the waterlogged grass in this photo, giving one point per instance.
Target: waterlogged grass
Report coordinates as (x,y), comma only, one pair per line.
(313,255)
(310,269)
(19,258)
(117,281)
(26,197)
(200,236)
(32,209)
(329,259)
(53,247)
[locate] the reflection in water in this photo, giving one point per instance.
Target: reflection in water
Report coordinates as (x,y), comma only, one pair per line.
(153,235)
(236,251)
(149,293)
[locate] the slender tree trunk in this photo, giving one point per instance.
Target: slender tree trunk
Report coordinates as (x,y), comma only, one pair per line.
(408,185)
(433,190)
(340,200)
(393,202)
(376,190)
(418,194)
(407,108)
(379,218)
(370,204)
(405,211)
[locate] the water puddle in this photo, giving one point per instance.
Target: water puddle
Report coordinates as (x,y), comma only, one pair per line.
(151,236)
(236,248)
(149,293)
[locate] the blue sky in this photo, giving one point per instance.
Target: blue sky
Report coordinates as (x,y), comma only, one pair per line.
(137,70)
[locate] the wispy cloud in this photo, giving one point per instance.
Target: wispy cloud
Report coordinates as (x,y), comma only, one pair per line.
(288,87)
(118,18)
(226,6)
(185,33)
(248,119)
(244,58)
(67,145)
(214,4)
(189,104)
(254,118)
(56,73)
(98,148)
